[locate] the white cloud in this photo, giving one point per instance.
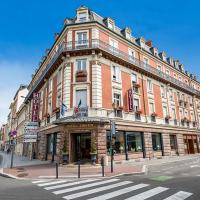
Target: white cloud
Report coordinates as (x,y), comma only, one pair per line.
(12,73)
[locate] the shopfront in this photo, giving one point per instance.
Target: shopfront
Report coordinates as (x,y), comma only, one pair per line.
(127,145)
(191,144)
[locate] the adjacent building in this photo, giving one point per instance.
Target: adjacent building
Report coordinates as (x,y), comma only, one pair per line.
(96,73)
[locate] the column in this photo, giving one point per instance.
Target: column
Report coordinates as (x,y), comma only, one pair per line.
(148,145)
(180,144)
(166,144)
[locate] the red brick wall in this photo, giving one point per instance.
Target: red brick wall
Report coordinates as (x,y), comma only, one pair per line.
(176,106)
(103,37)
(126,85)
(106,87)
(158,100)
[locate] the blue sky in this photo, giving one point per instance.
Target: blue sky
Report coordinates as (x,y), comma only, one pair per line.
(28,27)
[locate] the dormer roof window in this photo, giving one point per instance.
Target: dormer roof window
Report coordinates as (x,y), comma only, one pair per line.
(176,64)
(109,23)
(163,56)
(127,33)
(154,51)
(82,14)
(181,67)
(141,42)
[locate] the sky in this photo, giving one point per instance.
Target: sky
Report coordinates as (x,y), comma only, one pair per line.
(27,28)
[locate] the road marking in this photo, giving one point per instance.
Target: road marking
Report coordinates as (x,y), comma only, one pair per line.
(52,183)
(40,181)
(119,192)
(84,186)
(148,194)
(98,189)
(161,178)
(69,184)
(179,196)
(194,166)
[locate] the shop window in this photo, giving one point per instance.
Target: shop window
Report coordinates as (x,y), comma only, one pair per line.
(156,141)
(134,142)
(173,142)
(119,147)
(50,143)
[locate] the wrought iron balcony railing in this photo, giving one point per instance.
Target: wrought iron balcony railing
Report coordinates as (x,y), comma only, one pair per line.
(98,44)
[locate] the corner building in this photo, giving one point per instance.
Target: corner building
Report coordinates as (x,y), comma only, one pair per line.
(102,73)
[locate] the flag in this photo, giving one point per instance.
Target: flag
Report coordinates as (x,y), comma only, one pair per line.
(63,109)
(79,104)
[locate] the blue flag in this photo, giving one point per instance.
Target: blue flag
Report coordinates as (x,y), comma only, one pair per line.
(63,109)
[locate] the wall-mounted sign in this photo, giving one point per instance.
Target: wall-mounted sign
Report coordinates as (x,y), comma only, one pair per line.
(30,131)
(130,100)
(35,107)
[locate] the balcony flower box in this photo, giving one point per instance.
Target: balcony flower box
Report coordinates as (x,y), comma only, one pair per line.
(57,109)
(167,117)
(184,119)
(180,100)
(138,111)
(136,85)
(81,76)
(154,114)
(120,108)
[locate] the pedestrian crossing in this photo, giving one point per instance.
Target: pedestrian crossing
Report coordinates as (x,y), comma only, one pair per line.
(110,188)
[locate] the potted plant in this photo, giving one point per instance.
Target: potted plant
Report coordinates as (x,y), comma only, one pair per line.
(65,154)
(93,151)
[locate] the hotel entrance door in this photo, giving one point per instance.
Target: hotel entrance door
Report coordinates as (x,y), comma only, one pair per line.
(81,147)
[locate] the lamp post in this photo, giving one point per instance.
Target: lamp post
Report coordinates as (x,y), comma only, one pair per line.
(112,133)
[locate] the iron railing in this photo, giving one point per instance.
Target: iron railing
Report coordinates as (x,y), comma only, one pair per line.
(98,44)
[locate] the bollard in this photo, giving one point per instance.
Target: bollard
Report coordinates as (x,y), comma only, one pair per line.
(56,170)
(102,164)
(79,168)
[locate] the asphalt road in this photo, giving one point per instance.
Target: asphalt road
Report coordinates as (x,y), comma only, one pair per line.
(162,182)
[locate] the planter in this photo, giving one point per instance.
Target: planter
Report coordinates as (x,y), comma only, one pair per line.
(136,85)
(65,157)
(139,111)
(153,114)
(93,158)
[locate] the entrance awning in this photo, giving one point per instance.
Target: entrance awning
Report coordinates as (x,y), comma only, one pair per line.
(69,120)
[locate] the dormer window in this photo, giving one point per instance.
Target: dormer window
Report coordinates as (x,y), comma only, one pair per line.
(82,16)
(111,25)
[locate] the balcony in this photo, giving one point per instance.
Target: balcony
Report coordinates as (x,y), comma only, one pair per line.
(109,50)
(80,112)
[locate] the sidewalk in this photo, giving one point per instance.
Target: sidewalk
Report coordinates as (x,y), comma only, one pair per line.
(5,160)
(71,171)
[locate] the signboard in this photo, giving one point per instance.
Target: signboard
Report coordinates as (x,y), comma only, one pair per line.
(30,132)
(35,107)
(130,100)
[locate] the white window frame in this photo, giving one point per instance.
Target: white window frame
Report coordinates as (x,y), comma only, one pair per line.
(76,103)
(151,107)
(50,85)
(116,73)
(149,86)
(146,62)
(83,19)
(82,68)
(116,100)
(83,41)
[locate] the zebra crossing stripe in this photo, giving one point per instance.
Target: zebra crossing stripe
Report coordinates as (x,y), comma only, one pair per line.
(84,193)
(40,181)
(69,184)
(84,186)
(179,196)
(119,192)
(52,183)
(148,194)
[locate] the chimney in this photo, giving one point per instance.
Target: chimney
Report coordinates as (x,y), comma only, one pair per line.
(56,36)
(149,43)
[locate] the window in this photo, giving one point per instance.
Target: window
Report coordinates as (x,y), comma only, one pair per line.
(146,62)
(134,78)
(113,46)
(82,16)
(164,111)
(134,142)
(167,71)
(173,113)
(49,105)
(59,75)
(50,143)
(173,142)
(163,91)
(171,95)
(151,107)
(81,65)
(181,114)
(50,85)
(117,99)
(82,38)
(156,141)
(81,98)
(58,101)
(116,73)
(149,85)
(119,144)
(136,104)
(131,54)
(111,25)
(179,78)
(159,68)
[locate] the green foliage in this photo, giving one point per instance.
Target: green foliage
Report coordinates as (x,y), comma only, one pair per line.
(64,150)
(93,145)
